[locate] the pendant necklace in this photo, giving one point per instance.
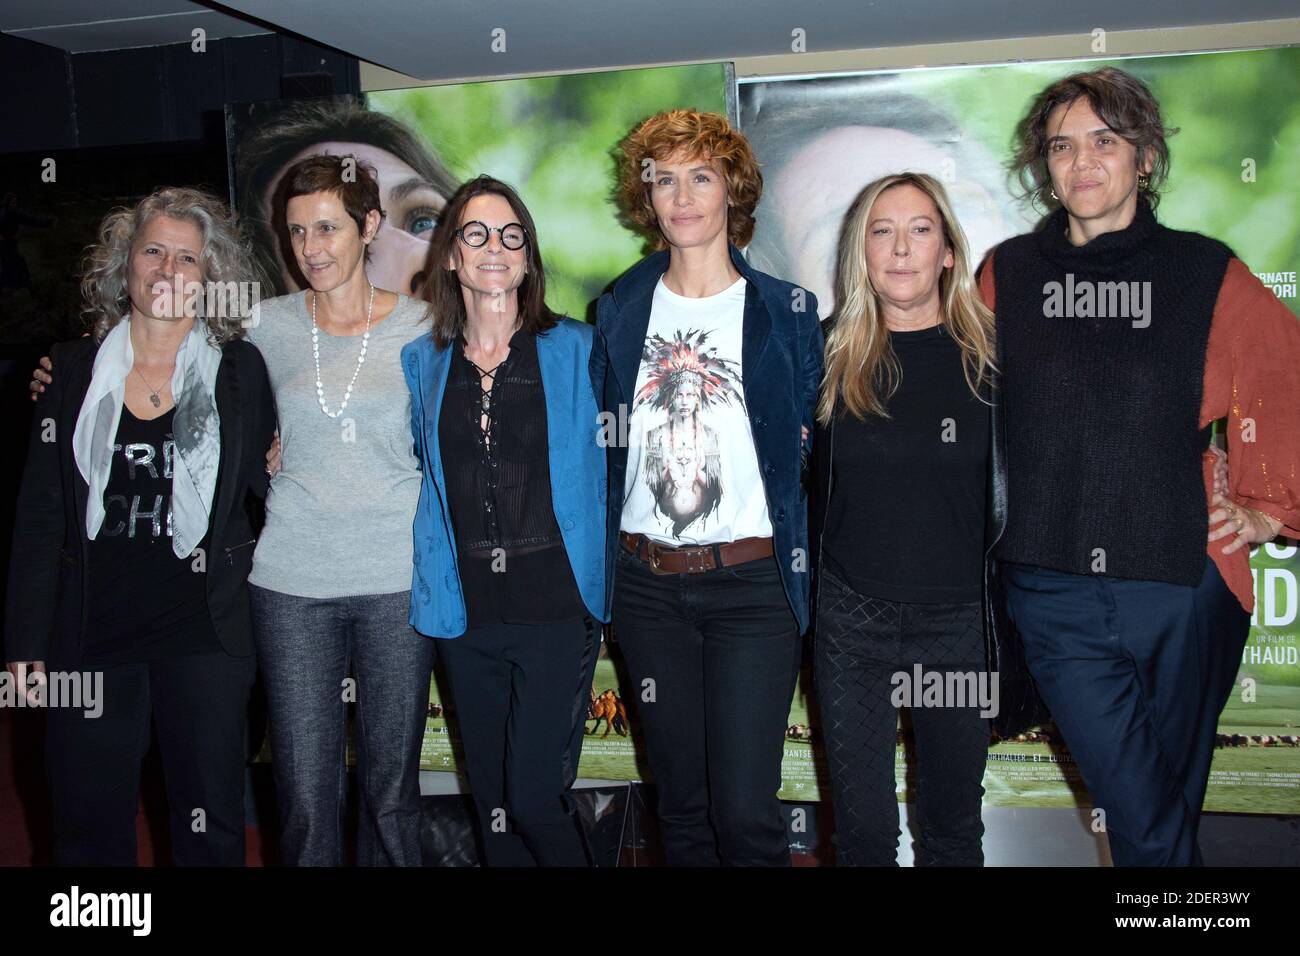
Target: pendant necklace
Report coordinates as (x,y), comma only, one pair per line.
(153,392)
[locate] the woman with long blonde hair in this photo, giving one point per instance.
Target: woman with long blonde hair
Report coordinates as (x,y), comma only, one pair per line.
(859,349)
(904,420)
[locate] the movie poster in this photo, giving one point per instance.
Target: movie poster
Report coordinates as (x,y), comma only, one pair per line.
(821,139)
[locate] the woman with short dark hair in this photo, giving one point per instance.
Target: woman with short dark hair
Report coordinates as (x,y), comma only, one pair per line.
(331,574)
(414,184)
(1120,341)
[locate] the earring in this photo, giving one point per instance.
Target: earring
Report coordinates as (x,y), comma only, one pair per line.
(1143,180)
(1054,196)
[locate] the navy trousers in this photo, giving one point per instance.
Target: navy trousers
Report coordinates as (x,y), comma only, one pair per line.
(1135,674)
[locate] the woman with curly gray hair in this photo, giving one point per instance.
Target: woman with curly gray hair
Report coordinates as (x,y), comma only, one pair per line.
(132,542)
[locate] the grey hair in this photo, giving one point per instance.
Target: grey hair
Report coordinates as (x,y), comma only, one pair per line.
(226,257)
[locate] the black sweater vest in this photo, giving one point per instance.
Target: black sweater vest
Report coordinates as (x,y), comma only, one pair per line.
(1102,351)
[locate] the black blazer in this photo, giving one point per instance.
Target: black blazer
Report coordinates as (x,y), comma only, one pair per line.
(1019,705)
(45,613)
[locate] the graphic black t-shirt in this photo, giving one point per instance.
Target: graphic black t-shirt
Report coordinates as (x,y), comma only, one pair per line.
(144,603)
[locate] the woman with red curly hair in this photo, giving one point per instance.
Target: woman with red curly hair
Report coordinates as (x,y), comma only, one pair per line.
(714,367)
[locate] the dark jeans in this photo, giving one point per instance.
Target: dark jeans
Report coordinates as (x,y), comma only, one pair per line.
(861,643)
(199,706)
(306,647)
(713,659)
(1135,674)
(521,693)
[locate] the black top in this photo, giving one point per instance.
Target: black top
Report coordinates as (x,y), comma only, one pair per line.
(513,565)
(144,602)
(906,517)
(47,596)
(1102,351)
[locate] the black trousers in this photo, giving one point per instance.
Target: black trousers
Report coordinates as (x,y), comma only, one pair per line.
(199,706)
(861,643)
(713,659)
(521,693)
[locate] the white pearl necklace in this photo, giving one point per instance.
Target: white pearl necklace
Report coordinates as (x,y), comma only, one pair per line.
(315,351)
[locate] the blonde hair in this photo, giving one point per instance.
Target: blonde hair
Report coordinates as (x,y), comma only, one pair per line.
(861,367)
(226,257)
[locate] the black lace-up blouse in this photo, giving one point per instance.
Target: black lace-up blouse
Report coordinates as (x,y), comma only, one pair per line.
(513,566)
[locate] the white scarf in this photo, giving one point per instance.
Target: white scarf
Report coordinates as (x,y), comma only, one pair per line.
(196,430)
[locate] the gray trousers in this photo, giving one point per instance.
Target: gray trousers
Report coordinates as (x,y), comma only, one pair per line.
(306,648)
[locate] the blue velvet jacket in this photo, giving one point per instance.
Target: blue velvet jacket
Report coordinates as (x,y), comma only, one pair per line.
(577,469)
(781,361)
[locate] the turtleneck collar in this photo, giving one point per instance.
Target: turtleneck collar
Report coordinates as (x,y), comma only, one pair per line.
(1107,252)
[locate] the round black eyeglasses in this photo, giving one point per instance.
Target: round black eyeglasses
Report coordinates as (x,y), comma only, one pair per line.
(475,235)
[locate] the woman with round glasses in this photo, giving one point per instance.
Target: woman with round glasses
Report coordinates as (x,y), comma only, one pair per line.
(510,527)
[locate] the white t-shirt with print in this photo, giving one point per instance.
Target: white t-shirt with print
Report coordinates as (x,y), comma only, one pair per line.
(692,472)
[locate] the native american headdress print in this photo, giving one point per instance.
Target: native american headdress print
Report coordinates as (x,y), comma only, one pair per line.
(686,356)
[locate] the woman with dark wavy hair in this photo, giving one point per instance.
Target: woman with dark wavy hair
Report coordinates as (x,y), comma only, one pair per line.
(510,528)
(1120,341)
(132,542)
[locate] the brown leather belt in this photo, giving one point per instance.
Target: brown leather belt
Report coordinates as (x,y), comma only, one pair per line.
(706,557)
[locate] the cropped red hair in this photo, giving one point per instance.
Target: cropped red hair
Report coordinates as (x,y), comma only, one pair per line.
(691,135)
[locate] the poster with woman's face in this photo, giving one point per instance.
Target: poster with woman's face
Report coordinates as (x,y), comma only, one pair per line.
(821,140)
(551,138)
